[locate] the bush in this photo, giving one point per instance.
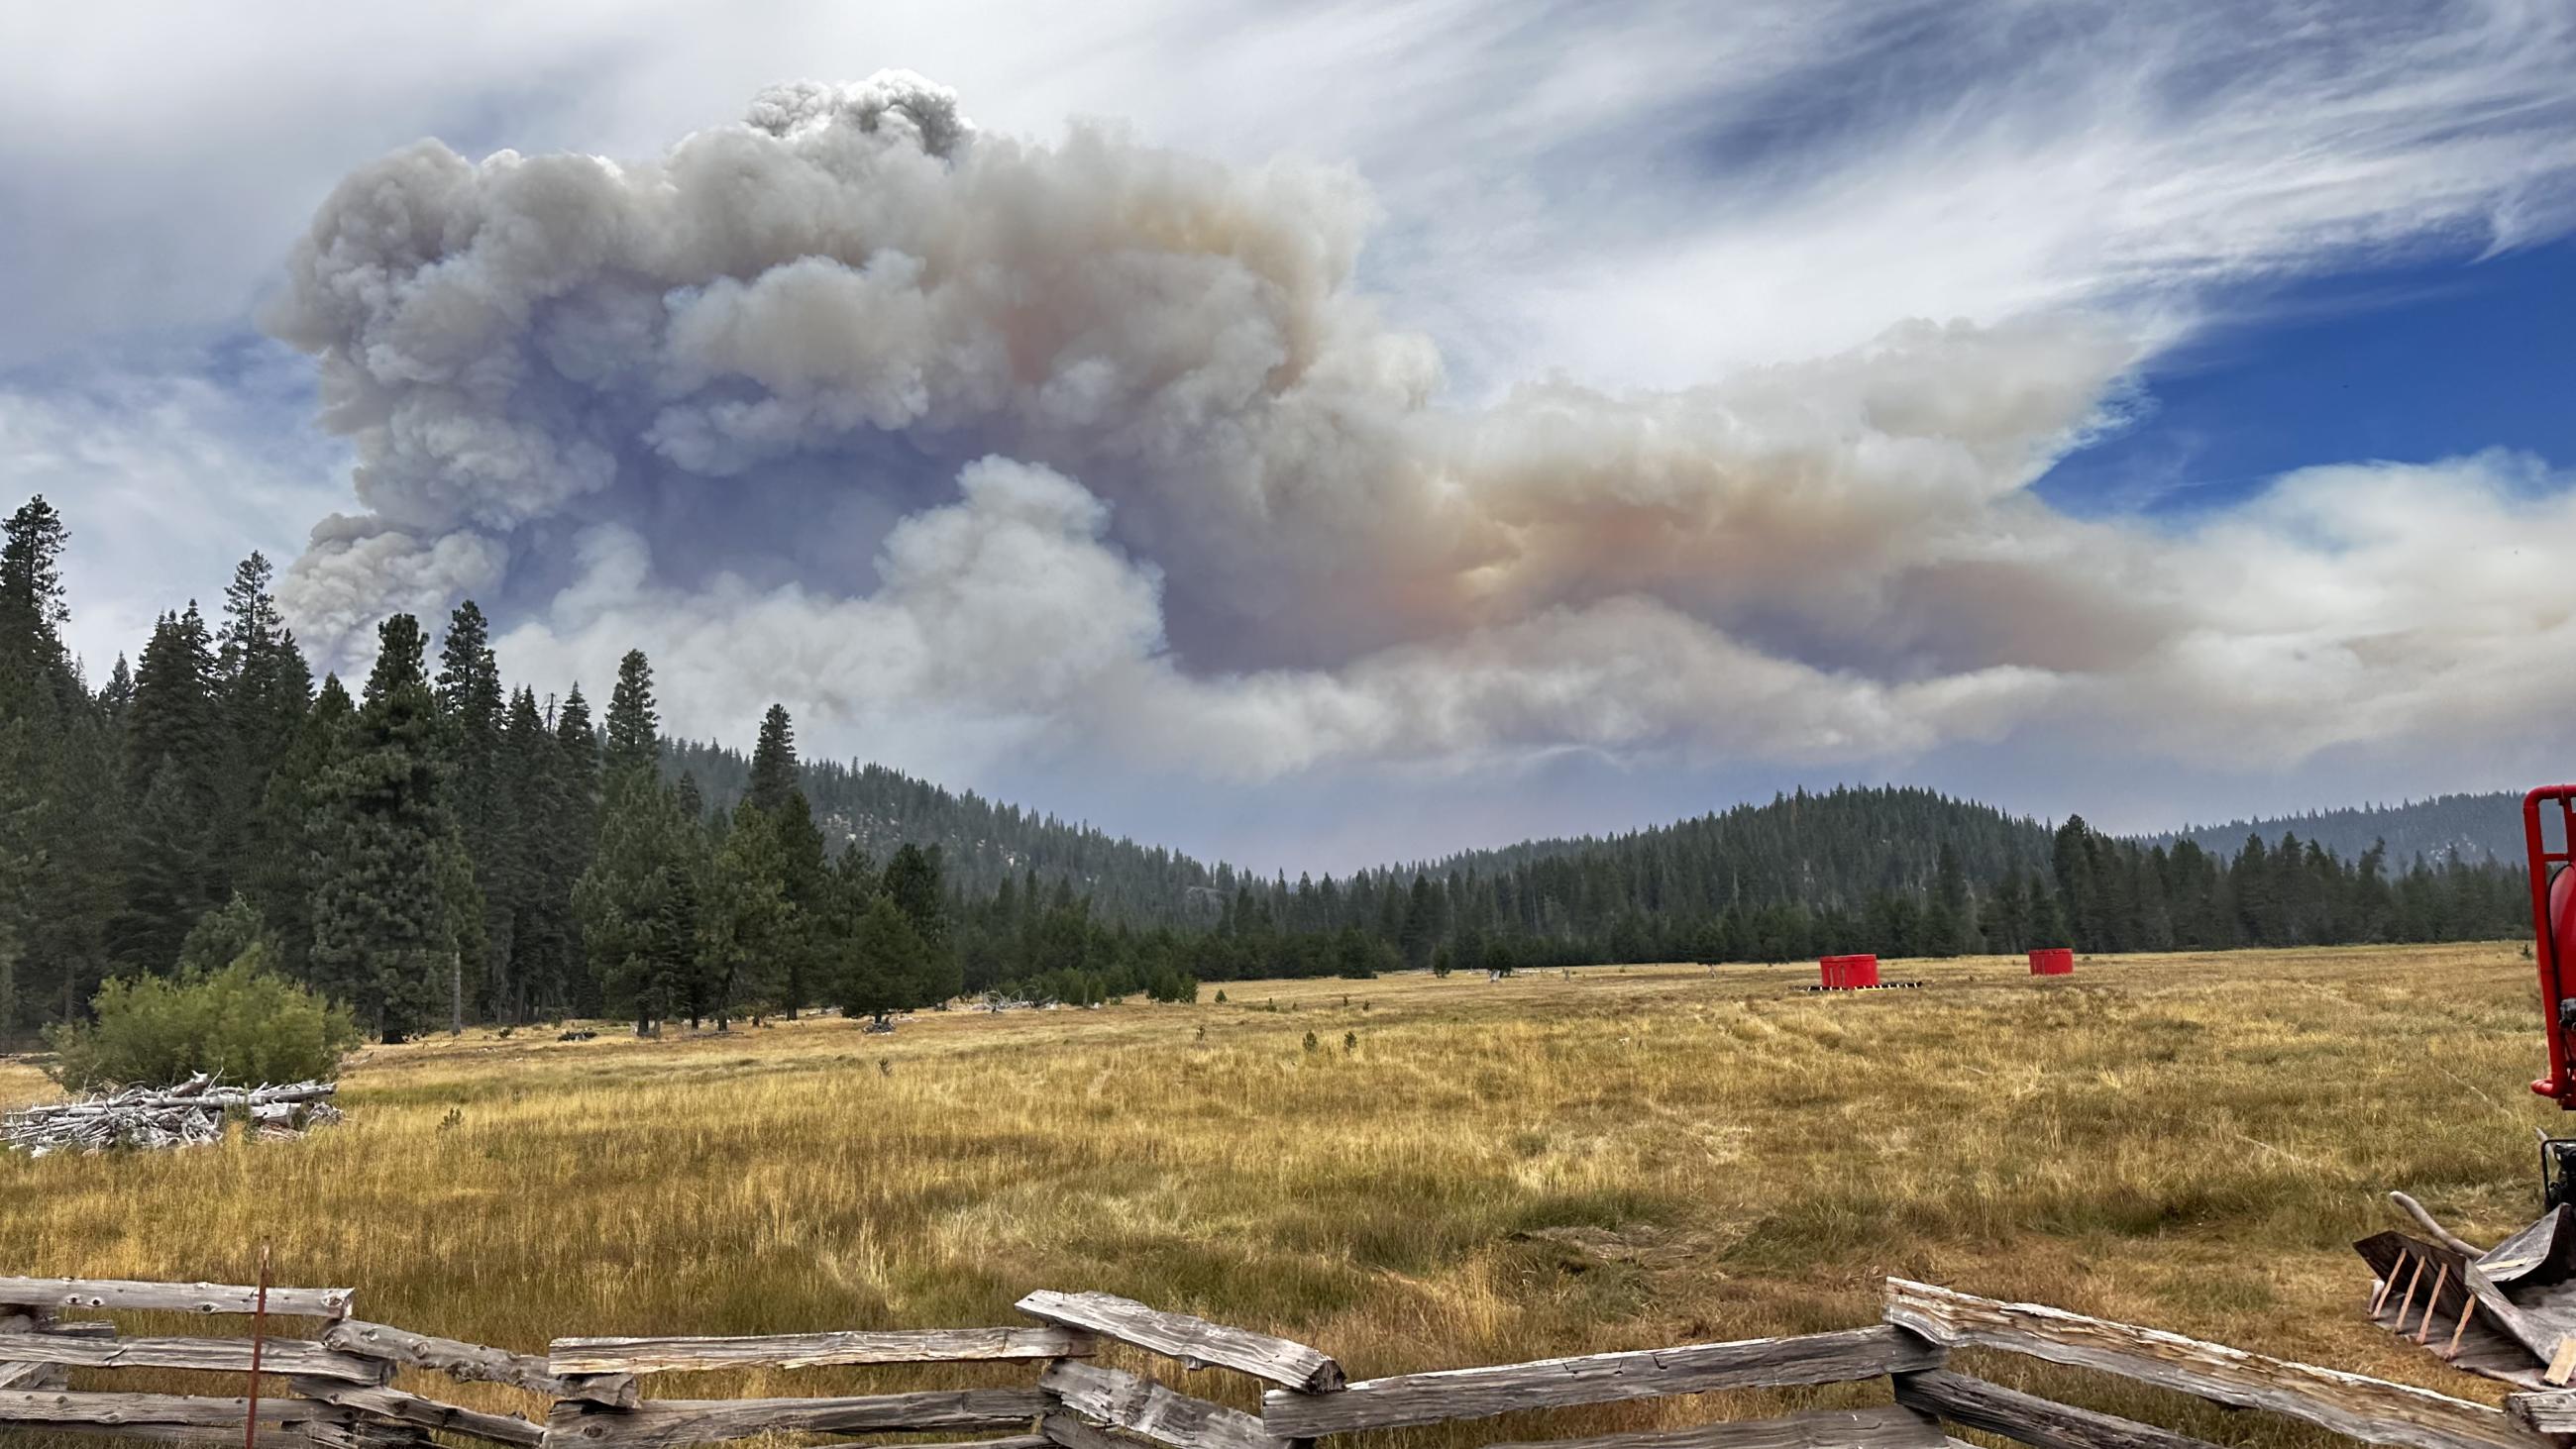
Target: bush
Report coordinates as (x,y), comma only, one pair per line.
(240,1023)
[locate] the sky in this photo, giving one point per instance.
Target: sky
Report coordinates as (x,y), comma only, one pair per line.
(1325,434)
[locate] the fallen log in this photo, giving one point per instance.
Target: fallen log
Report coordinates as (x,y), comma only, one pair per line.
(1196,1342)
(1601,1378)
(183,1116)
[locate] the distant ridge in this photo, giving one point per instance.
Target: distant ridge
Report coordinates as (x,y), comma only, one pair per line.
(1821,850)
(2472,829)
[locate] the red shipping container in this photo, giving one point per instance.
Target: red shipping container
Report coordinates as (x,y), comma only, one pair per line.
(2053,961)
(1847,973)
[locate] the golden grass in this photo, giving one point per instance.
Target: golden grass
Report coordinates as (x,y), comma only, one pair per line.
(1496,1171)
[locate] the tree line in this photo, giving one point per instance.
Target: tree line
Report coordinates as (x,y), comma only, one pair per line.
(441,847)
(434,849)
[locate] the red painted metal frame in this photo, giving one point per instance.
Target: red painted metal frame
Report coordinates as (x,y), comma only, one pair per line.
(2554,978)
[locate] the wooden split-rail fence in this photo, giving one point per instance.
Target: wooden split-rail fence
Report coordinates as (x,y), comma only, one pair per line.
(331,1385)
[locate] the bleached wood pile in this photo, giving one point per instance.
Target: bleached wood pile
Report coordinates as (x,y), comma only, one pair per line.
(186,1115)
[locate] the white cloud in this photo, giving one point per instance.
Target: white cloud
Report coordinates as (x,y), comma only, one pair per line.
(166,480)
(1622,435)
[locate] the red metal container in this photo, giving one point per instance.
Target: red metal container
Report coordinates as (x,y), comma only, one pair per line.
(2053,961)
(1847,973)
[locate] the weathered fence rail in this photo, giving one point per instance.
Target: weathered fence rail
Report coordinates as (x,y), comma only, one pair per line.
(336,1391)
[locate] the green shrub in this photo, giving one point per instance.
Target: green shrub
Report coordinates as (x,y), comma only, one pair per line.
(240,1023)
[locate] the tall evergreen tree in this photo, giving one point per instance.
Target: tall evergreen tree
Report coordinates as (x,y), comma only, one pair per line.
(394,909)
(535,965)
(637,901)
(743,915)
(289,832)
(773,762)
(471,708)
(886,966)
(33,609)
(805,878)
(913,887)
(263,690)
(176,754)
(571,843)
(634,729)
(1421,932)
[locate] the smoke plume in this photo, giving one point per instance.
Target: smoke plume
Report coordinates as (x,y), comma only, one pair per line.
(959,442)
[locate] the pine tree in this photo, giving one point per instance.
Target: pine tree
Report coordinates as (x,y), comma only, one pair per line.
(535,966)
(912,886)
(394,909)
(637,901)
(115,696)
(886,966)
(805,879)
(263,691)
(633,727)
(33,604)
(743,915)
(2078,897)
(471,706)
(1951,925)
(773,762)
(283,866)
(175,757)
(2009,929)
(262,679)
(1421,931)
(22,780)
(80,879)
(571,843)
(173,724)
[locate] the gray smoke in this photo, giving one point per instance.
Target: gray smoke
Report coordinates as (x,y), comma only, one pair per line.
(960,443)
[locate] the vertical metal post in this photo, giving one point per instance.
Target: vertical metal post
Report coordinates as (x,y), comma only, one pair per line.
(258,1334)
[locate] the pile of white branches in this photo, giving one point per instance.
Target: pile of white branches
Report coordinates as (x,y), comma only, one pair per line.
(182,1116)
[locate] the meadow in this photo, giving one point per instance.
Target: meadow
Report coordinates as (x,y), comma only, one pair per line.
(1409,1172)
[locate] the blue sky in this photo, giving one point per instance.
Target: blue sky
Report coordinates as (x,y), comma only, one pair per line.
(1516,419)
(2446,356)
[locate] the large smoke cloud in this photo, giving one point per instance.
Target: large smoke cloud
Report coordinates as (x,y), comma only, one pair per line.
(945,436)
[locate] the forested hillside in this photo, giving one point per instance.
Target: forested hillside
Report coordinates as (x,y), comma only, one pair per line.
(441,845)
(984,843)
(2472,828)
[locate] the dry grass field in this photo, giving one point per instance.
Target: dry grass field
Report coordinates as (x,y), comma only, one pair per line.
(1457,1172)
